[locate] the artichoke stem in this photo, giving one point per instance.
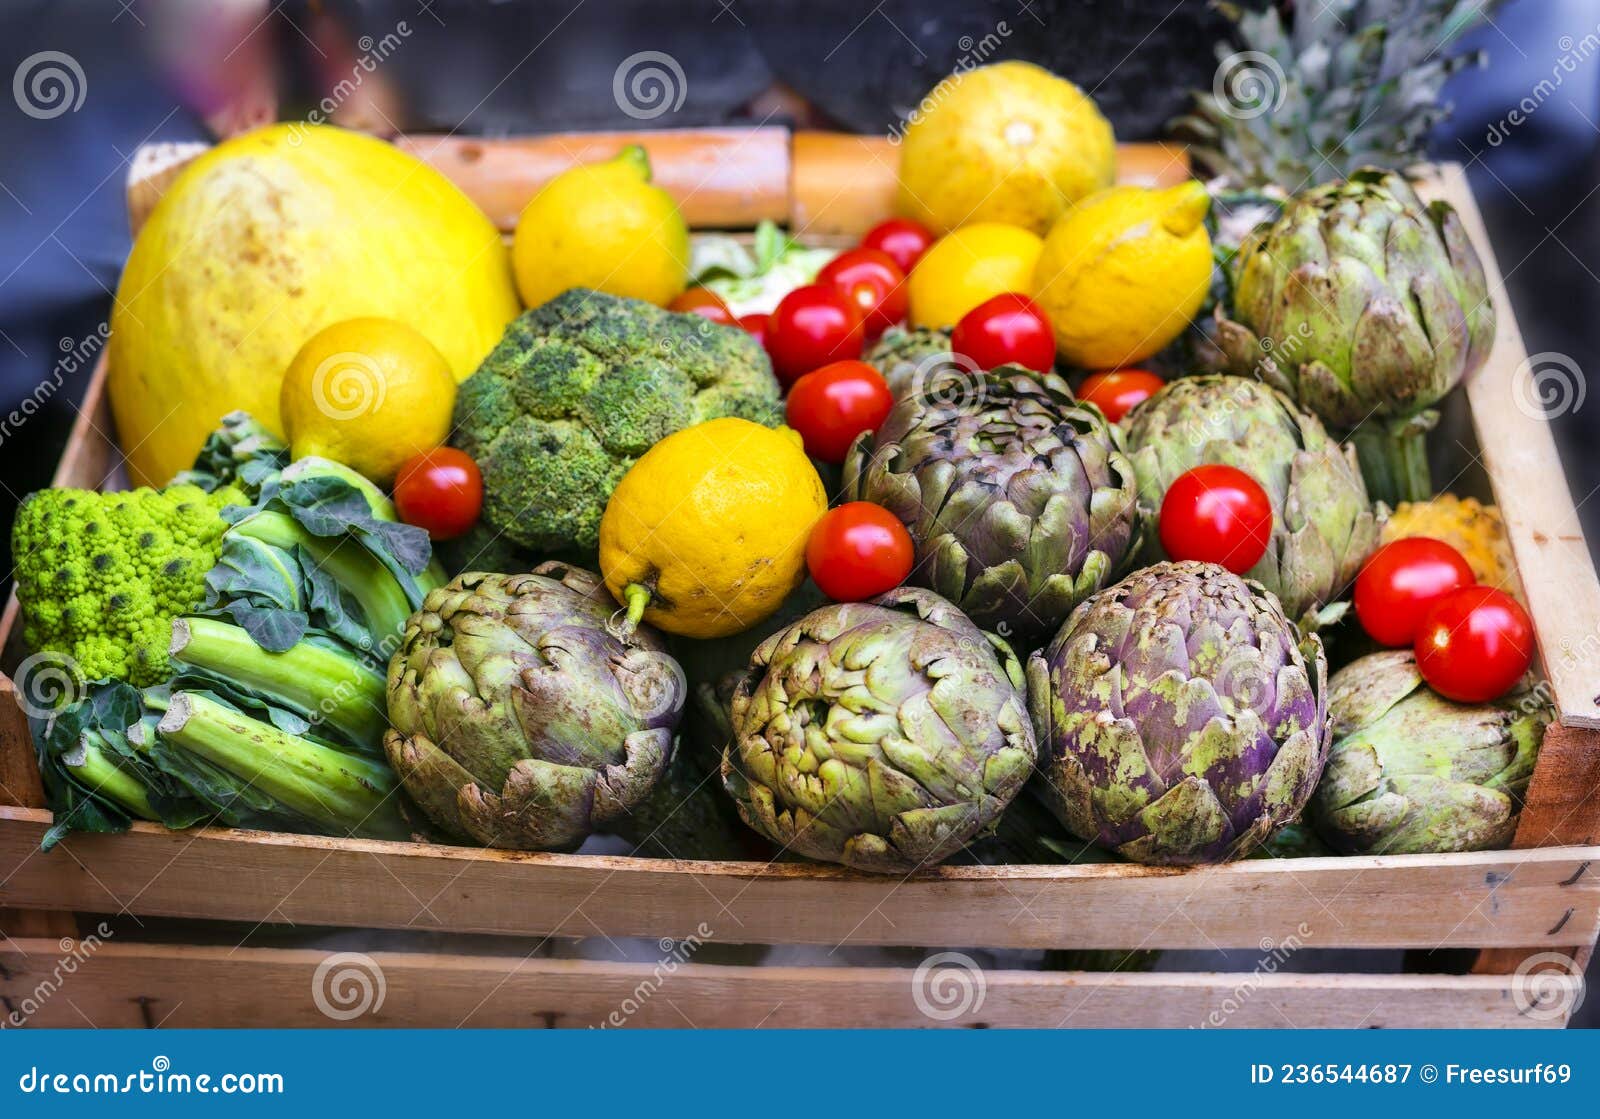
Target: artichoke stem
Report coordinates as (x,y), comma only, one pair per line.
(1394,460)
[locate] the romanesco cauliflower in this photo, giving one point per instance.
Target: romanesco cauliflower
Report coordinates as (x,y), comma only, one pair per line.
(101,575)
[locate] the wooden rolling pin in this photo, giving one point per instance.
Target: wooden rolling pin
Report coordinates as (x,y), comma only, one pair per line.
(819,183)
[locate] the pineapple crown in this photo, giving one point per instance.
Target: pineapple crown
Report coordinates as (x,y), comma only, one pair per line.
(1309,92)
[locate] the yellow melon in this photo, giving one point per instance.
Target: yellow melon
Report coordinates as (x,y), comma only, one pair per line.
(263,241)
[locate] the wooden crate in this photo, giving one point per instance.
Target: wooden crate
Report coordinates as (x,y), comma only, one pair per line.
(1532,905)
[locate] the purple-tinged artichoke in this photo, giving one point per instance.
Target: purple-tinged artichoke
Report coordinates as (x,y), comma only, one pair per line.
(1181,718)
(1323,526)
(1019,498)
(520,718)
(1366,306)
(1411,772)
(882,735)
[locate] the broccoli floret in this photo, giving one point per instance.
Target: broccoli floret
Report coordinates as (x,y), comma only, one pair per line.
(578,389)
(101,575)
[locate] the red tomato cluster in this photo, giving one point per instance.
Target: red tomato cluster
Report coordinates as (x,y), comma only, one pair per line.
(1473,643)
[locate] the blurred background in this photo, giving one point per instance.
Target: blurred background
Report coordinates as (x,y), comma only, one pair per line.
(130,72)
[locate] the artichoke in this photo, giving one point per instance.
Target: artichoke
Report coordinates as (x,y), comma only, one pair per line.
(1411,772)
(1323,526)
(520,719)
(1018,498)
(882,735)
(901,353)
(1366,306)
(1181,718)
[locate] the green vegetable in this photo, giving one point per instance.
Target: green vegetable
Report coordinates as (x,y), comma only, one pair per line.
(1411,772)
(101,576)
(328,788)
(242,450)
(582,386)
(883,735)
(1366,306)
(902,356)
(1181,717)
(521,717)
(1019,499)
(317,680)
(190,756)
(275,710)
(756,278)
(1323,526)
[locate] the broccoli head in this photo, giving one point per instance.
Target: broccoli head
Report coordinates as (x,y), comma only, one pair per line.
(578,389)
(101,575)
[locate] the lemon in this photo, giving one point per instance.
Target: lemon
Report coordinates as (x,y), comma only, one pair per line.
(1009,142)
(602,226)
(1124,272)
(964,268)
(706,534)
(369,393)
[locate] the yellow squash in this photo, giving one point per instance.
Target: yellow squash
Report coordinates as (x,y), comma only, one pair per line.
(263,241)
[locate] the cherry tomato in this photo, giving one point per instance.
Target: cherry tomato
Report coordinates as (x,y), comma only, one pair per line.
(859,550)
(703,302)
(812,326)
(1401,582)
(1475,644)
(440,490)
(756,326)
(1218,514)
(1008,329)
(903,239)
(1117,392)
(830,406)
(874,282)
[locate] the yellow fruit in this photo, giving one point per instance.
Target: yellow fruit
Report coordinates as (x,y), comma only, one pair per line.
(964,268)
(1124,272)
(1010,143)
(369,393)
(263,241)
(602,226)
(706,533)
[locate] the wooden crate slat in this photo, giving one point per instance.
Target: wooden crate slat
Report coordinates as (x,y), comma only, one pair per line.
(1524,468)
(178,986)
(1472,900)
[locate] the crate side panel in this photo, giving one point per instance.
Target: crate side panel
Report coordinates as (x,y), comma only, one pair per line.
(134,985)
(1473,900)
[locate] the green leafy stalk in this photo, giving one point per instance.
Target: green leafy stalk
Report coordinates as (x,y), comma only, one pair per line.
(321,683)
(384,603)
(94,765)
(333,790)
